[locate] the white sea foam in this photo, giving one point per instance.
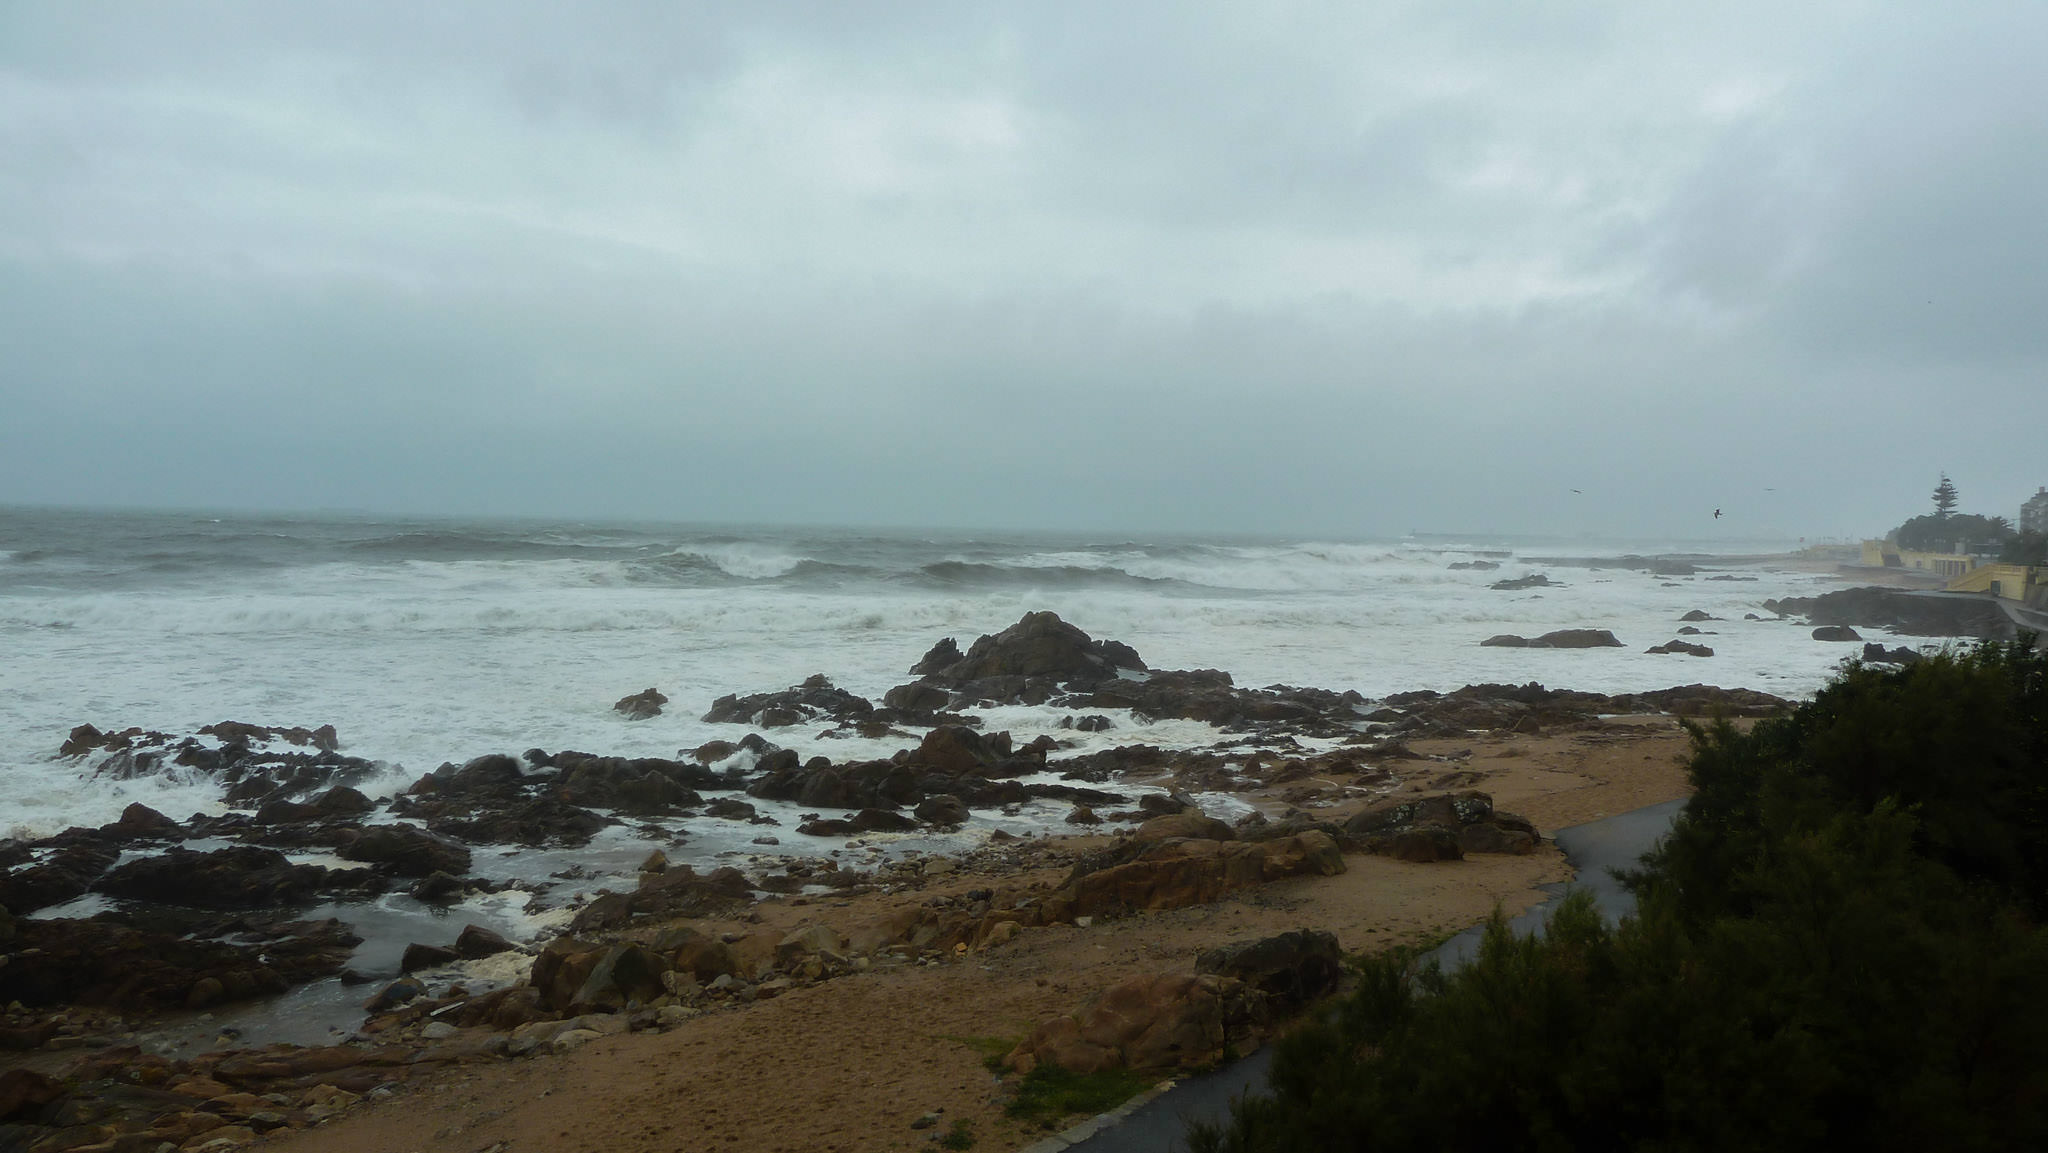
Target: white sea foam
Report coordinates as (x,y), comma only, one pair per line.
(420,659)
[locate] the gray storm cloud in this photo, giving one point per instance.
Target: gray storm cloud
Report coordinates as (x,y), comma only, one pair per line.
(1155,266)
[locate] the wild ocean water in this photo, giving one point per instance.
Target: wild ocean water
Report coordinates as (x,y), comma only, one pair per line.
(424,641)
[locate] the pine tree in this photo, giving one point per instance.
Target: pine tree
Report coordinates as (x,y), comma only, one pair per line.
(1944,497)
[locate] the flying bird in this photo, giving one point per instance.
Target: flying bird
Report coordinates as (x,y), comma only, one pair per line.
(1717,514)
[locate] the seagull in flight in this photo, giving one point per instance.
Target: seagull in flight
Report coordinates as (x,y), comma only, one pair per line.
(1717,514)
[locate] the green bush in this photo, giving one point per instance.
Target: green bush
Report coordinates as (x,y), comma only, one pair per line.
(1837,947)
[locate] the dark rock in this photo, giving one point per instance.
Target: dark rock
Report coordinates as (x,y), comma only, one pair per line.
(575,976)
(1698,615)
(103,962)
(476,941)
(730,809)
(24,1092)
(1836,633)
(1040,644)
(641,705)
(815,698)
(438,888)
(407,851)
(954,749)
(676,893)
(942,809)
(341,801)
(239,877)
(1876,654)
(1293,969)
(418,956)
(1532,581)
(1473,565)
(881,821)
(1682,647)
(1913,613)
(938,658)
(1560,639)
(397,993)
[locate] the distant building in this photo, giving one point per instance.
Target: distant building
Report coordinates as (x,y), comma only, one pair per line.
(2034,513)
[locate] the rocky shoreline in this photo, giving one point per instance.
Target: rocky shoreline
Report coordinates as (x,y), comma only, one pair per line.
(209,912)
(187,929)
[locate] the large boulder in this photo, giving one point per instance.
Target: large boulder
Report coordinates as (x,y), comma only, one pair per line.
(1559,639)
(1173,874)
(1439,827)
(641,705)
(1163,1022)
(406,851)
(1291,968)
(815,698)
(1906,611)
(1040,644)
(577,977)
(238,877)
(676,893)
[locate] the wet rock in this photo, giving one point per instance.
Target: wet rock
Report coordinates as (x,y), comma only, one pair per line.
(1685,647)
(641,705)
(1560,639)
(1039,645)
(476,941)
(1698,615)
(1532,581)
(399,992)
(1876,654)
(942,809)
(816,698)
(1836,633)
(730,809)
(418,956)
(102,962)
(438,888)
(407,851)
(1904,611)
(240,877)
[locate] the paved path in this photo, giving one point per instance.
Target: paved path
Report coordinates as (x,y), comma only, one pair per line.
(1155,1124)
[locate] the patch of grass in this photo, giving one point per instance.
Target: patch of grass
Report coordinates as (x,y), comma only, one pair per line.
(992,1049)
(1049,1092)
(959,1136)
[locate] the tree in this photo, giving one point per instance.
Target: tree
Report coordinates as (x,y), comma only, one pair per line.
(1958,532)
(1944,497)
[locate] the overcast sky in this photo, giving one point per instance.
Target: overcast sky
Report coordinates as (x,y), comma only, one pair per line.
(1291,267)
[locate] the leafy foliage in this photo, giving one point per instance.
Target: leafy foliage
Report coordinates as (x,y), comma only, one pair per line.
(1933,533)
(2029,548)
(1838,946)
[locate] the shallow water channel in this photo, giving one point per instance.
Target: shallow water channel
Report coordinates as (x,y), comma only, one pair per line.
(1594,849)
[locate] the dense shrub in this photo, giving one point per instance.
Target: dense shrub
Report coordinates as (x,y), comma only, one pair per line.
(1838,946)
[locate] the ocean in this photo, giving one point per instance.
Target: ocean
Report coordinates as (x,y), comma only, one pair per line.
(424,641)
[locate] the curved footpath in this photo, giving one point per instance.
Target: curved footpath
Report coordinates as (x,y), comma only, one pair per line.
(1155,1122)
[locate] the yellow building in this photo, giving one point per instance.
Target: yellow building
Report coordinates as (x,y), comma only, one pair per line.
(2013,582)
(1948,565)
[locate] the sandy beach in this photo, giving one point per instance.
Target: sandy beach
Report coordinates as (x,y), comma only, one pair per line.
(851,1064)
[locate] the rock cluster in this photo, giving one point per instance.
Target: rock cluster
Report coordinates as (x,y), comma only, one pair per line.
(1906,611)
(1440,828)
(1560,639)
